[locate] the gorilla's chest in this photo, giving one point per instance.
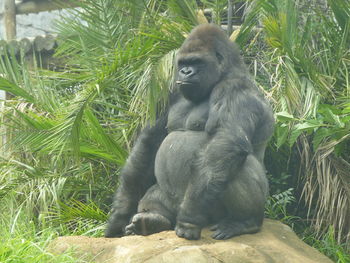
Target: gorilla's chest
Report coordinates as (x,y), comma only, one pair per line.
(185,115)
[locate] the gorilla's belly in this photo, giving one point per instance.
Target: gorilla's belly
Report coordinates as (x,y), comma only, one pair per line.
(174,160)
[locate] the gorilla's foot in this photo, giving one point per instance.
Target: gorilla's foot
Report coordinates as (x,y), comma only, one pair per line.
(228,228)
(147,223)
(188,231)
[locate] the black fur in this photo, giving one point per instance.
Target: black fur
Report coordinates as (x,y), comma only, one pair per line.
(202,161)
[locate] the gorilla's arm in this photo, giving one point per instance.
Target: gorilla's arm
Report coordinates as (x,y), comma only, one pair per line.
(245,117)
(136,176)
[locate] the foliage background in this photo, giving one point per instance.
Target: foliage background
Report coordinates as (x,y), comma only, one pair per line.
(68,132)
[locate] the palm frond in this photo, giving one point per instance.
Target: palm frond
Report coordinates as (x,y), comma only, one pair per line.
(308,56)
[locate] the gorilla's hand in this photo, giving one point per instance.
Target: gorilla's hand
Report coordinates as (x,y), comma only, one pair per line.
(116,225)
(188,230)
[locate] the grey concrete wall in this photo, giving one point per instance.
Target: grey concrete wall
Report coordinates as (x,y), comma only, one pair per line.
(32,25)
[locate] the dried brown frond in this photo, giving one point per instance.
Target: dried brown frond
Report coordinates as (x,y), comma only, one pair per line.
(326,188)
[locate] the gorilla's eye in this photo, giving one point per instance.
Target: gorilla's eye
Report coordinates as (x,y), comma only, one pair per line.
(219,57)
(190,61)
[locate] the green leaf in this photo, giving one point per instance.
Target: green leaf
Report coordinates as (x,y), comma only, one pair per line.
(341,11)
(330,114)
(319,135)
(35,121)
(15,90)
(308,125)
(282,134)
(284,116)
(105,139)
(346,109)
(76,210)
(92,152)
(298,129)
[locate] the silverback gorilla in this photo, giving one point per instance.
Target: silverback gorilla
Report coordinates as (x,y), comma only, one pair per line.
(201,163)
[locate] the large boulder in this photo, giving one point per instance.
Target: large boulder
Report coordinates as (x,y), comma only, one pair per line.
(275,243)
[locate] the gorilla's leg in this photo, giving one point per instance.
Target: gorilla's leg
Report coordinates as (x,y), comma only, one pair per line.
(124,206)
(153,215)
(219,164)
(244,199)
(136,177)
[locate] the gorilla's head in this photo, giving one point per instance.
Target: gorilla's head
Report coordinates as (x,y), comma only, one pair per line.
(204,59)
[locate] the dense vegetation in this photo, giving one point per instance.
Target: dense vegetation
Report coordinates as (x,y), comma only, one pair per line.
(68,132)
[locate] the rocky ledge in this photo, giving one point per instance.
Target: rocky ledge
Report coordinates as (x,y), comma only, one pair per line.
(276,243)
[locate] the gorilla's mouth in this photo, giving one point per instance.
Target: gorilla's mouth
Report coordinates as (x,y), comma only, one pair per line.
(181,82)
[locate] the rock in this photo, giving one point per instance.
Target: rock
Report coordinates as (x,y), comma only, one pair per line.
(275,243)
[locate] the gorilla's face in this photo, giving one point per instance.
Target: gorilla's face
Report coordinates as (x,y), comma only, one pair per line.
(198,71)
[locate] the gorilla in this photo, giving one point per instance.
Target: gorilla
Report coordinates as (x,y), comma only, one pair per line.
(201,162)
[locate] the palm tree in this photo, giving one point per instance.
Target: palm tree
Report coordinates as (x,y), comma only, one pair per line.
(307,60)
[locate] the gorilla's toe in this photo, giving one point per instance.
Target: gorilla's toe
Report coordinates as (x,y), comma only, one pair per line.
(130,229)
(188,231)
(225,231)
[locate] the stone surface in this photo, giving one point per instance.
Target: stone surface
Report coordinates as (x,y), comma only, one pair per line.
(274,244)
